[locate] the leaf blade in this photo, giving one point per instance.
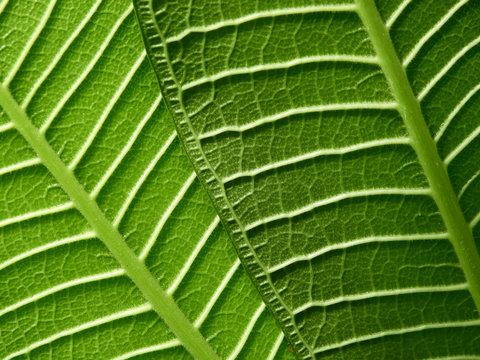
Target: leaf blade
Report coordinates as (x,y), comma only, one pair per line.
(141,276)
(235,85)
(460,233)
(75,82)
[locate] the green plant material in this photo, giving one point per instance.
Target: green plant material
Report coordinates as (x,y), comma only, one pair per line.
(339,142)
(108,242)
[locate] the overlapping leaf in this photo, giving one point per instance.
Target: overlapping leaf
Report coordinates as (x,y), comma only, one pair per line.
(339,141)
(80,73)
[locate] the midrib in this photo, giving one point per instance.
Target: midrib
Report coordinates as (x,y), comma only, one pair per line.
(161,302)
(460,234)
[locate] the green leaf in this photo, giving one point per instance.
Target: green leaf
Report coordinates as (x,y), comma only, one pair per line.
(108,242)
(339,142)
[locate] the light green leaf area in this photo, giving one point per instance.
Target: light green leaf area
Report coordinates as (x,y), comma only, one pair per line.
(339,141)
(108,242)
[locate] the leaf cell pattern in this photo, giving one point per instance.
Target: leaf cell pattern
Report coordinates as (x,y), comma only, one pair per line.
(297,131)
(79,73)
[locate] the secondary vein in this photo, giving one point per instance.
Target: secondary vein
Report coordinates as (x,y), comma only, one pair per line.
(161,302)
(460,234)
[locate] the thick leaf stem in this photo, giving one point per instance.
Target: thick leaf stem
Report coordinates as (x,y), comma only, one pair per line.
(459,231)
(161,302)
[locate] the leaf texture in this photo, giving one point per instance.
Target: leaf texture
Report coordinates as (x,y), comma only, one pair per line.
(89,157)
(339,143)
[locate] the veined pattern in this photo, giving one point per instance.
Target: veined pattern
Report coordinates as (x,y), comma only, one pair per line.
(338,140)
(79,73)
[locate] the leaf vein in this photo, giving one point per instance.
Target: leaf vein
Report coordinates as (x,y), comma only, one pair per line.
(51,117)
(300,111)
(100,321)
(357,242)
(338,198)
(35,214)
(419,45)
(276,346)
(131,140)
(6,127)
(370,60)
(431,84)
(60,287)
(36,33)
(460,147)
(246,332)
(19,166)
(261,15)
(455,112)
(382,293)
(149,349)
(51,245)
(158,228)
(396,14)
(131,194)
(163,304)
(314,154)
(218,291)
(176,282)
(60,54)
(467,184)
(402,331)
(116,96)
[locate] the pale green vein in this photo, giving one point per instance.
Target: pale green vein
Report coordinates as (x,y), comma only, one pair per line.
(335,199)
(467,184)
(91,324)
(441,74)
(459,231)
(103,46)
(45,247)
(6,127)
(36,214)
(18,166)
(166,215)
(455,112)
(317,153)
(298,111)
(188,264)
(396,14)
(59,54)
(246,333)
(36,34)
(133,192)
(260,15)
(123,153)
(400,331)
(218,291)
(3,5)
(382,293)
(356,242)
(150,349)
(276,346)
(106,112)
(162,303)
(66,285)
(281,66)
(460,147)
(419,45)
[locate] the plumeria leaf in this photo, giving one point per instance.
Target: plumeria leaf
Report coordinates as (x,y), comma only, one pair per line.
(109,246)
(339,141)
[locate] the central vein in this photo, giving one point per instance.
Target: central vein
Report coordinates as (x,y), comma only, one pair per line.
(161,302)
(460,234)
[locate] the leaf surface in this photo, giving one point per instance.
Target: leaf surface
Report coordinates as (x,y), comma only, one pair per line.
(108,242)
(339,143)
